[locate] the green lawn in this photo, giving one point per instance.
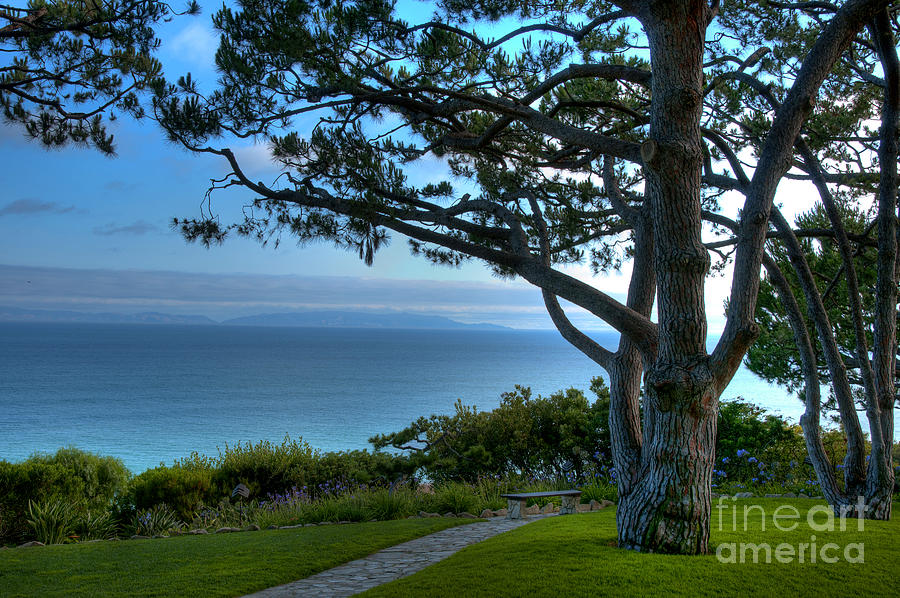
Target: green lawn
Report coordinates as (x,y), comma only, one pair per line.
(214,565)
(560,556)
(576,556)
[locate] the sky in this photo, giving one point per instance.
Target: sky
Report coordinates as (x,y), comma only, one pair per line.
(82,231)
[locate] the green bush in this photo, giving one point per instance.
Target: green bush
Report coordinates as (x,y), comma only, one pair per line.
(52,522)
(268,470)
(158,521)
(454,497)
(70,475)
(95,525)
(183,489)
(544,437)
(385,504)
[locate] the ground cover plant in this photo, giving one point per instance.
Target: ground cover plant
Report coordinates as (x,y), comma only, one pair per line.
(218,565)
(577,556)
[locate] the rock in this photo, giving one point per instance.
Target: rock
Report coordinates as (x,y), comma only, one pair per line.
(773,496)
(606,503)
(326,523)
(140,537)
(548,508)
(487,513)
(228,530)
(580,508)
(501,513)
(801,495)
(31,544)
(744,495)
(595,506)
(344,522)
(789,495)
(308,525)
(533,510)
(273,526)
(818,497)
(426,514)
(289,526)
(466,515)
(449,514)
(252,528)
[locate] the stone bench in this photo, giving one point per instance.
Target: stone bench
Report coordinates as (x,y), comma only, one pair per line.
(517,502)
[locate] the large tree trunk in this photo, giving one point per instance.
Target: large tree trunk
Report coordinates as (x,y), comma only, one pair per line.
(669,509)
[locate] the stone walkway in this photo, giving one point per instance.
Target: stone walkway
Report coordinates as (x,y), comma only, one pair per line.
(394,562)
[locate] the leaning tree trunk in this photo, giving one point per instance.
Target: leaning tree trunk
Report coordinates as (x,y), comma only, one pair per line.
(669,508)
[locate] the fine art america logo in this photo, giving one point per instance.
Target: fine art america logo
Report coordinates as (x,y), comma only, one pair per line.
(787,518)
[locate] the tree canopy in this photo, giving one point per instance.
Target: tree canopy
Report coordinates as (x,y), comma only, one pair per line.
(553,133)
(774,356)
(68,64)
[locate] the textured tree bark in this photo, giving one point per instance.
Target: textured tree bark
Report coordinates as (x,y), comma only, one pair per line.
(669,508)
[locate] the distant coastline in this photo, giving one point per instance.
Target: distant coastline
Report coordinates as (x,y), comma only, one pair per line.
(311,319)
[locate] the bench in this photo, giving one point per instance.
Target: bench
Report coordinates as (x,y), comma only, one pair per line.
(517,502)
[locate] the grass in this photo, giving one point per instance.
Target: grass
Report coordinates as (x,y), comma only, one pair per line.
(215,565)
(576,556)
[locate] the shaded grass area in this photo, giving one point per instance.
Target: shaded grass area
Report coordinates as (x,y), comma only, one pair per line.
(576,555)
(216,565)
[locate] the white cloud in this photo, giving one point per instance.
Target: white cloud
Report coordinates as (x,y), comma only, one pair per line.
(196,44)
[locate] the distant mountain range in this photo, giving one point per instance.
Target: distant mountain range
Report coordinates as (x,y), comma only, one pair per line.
(312,319)
(15,314)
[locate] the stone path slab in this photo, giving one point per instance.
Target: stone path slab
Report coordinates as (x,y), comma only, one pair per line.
(394,562)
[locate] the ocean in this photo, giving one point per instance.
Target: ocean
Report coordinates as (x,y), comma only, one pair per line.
(150,394)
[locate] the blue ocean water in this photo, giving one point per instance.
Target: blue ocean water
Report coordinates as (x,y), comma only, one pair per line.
(152,394)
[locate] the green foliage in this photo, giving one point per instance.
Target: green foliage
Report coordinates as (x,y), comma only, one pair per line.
(182,488)
(158,521)
(454,497)
(268,470)
(70,475)
(384,504)
(534,437)
(72,62)
(51,521)
(747,427)
(95,525)
(599,490)
(774,355)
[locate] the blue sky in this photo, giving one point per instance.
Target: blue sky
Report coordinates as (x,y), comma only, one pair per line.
(92,233)
(88,232)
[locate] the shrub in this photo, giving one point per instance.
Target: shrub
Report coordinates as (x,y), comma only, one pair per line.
(70,475)
(544,437)
(599,490)
(182,489)
(454,497)
(385,504)
(158,521)
(95,525)
(52,521)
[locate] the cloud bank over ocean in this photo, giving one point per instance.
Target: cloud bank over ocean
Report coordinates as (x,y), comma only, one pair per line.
(223,296)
